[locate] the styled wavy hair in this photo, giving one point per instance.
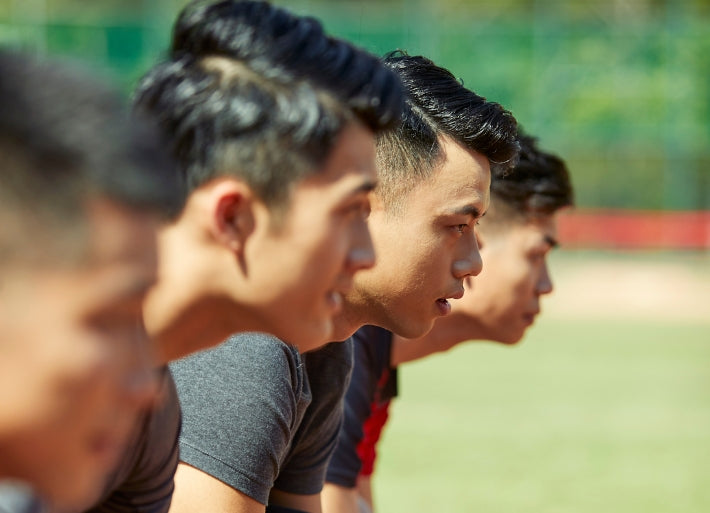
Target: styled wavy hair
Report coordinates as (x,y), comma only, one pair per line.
(251,90)
(66,137)
(437,104)
(539,185)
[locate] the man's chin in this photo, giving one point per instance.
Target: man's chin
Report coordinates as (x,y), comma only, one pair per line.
(412,328)
(311,337)
(509,339)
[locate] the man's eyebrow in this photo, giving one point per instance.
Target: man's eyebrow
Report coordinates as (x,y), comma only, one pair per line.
(366,187)
(551,241)
(135,289)
(468,210)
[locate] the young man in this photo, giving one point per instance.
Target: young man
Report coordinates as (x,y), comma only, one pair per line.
(82,190)
(272,123)
(500,304)
(434,185)
(274,138)
(258,432)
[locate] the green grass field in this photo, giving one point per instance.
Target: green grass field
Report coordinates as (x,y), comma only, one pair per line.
(584,416)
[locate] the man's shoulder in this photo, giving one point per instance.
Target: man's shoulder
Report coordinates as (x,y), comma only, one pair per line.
(145,474)
(242,403)
(241,356)
(334,354)
(372,346)
(372,336)
(249,374)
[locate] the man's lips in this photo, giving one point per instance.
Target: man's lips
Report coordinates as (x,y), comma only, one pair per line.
(457,295)
(344,284)
(341,288)
(443,303)
(529,317)
(335,300)
(444,306)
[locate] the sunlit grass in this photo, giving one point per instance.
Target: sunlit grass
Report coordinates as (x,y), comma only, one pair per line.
(584,416)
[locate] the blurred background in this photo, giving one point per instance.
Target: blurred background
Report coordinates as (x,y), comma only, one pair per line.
(621,88)
(606,405)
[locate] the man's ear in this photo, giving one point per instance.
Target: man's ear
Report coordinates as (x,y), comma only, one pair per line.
(232,209)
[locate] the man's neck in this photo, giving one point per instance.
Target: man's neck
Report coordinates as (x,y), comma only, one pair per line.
(446,333)
(193,328)
(348,321)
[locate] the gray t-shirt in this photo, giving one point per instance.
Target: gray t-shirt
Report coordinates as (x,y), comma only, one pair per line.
(143,481)
(257,415)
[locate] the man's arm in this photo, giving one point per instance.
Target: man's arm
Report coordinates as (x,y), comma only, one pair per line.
(300,481)
(364,490)
(362,406)
(284,502)
(240,407)
(336,498)
(348,500)
(196,490)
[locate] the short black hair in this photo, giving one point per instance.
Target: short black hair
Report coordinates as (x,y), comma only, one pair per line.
(276,43)
(66,137)
(539,185)
(437,104)
(252,90)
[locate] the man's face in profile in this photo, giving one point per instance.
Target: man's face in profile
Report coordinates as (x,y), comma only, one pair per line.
(76,365)
(504,300)
(427,249)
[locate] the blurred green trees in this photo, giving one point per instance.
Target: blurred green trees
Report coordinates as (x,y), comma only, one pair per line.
(620,88)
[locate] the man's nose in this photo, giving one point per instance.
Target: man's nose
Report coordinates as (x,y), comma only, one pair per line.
(471,264)
(362,252)
(544,283)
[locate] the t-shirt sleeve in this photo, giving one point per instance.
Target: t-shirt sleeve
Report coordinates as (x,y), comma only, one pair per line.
(239,410)
(345,463)
(145,484)
(328,372)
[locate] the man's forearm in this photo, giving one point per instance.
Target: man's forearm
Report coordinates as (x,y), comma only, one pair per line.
(339,499)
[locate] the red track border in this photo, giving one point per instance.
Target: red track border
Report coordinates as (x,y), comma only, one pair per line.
(630,229)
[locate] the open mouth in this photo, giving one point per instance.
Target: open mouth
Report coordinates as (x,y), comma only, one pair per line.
(529,318)
(335,300)
(444,306)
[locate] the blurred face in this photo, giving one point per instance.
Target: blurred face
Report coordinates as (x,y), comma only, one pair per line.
(75,368)
(504,300)
(300,270)
(425,251)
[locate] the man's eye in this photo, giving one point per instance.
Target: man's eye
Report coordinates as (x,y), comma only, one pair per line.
(360,209)
(461,228)
(109,324)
